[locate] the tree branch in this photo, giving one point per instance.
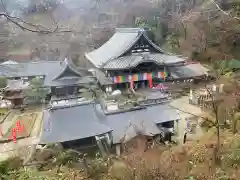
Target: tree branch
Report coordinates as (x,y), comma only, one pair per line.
(224,12)
(24,25)
(32,27)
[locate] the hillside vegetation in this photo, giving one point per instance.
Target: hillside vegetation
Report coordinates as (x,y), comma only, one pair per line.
(199,29)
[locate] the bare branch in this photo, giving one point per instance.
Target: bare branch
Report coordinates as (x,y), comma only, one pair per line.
(24,25)
(32,27)
(224,12)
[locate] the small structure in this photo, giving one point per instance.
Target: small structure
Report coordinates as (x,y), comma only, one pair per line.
(129,59)
(14,92)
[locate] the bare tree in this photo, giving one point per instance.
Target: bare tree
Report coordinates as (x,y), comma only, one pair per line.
(24,25)
(45,38)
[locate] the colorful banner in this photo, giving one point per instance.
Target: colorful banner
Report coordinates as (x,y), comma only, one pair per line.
(139,77)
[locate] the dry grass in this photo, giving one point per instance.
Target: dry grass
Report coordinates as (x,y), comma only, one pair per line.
(193,159)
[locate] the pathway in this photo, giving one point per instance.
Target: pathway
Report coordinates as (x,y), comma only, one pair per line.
(187,110)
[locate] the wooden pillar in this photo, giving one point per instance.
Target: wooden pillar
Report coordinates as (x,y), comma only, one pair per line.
(191,97)
(100,145)
(177,127)
(118,149)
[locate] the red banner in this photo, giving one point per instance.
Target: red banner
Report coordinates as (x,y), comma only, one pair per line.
(149,77)
(150,82)
(131,85)
(14,135)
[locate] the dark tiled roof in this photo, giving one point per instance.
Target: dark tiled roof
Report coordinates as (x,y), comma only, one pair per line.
(56,72)
(39,68)
(67,74)
(82,121)
(68,69)
(144,120)
(117,45)
(188,71)
(67,81)
(126,62)
(113,48)
(66,124)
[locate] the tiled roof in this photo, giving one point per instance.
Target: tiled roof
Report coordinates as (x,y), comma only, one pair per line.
(67,81)
(67,74)
(126,62)
(114,47)
(56,72)
(39,68)
(188,71)
(117,45)
(66,124)
(89,120)
(145,120)
(68,69)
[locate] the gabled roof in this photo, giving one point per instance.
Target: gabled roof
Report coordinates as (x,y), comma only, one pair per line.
(68,70)
(56,73)
(67,74)
(117,45)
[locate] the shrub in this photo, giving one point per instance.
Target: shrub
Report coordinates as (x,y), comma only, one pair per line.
(97,167)
(231,159)
(10,164)
(67,157)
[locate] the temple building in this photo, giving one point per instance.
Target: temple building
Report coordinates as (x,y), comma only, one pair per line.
(130,59)
(62,78)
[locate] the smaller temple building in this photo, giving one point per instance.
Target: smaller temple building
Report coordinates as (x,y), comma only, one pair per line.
(129,59)
(60,79)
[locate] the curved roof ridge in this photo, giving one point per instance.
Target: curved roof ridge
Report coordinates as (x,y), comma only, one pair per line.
(127,47)
(115,47)
(67,65)
(118,44)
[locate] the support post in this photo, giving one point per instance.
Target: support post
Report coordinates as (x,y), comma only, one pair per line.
(177,127)
(118,149)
